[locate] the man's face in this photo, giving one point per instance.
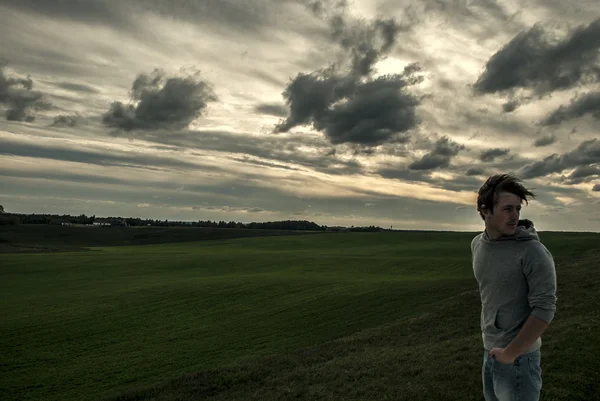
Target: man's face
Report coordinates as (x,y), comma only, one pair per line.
(505,217)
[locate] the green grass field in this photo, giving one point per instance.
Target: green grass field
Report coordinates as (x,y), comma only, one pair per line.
(326,316)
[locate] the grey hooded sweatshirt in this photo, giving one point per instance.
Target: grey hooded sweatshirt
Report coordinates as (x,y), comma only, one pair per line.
(517,278)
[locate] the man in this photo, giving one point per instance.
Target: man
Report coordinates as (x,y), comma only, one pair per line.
(517,285)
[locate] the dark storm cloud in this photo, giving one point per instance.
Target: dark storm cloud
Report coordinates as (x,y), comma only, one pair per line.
(587,152)
(18,95)
(350,111)
(588,103)
(65,121)
(533,60)
(491,154)
(161,103)
(474,171)
(441,155)
(271,109)
(596,188)
(544,141)
(344,101)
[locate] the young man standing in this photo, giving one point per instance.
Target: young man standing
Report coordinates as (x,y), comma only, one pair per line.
(517,285)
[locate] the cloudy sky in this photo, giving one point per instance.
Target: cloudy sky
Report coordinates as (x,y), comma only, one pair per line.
(390,113)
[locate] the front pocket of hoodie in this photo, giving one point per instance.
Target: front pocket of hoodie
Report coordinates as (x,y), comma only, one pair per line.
(502,320)
(489,322)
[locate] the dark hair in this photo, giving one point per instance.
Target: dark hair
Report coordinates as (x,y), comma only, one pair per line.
(488,193)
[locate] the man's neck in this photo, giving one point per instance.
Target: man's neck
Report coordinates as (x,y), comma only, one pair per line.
(492,234)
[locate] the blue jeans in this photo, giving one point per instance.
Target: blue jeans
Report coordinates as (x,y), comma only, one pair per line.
(521,381)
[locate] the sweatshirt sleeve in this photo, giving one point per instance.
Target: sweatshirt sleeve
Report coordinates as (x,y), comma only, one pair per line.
(540,272)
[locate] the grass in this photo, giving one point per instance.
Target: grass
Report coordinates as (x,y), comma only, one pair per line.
(326,316)
(51,238)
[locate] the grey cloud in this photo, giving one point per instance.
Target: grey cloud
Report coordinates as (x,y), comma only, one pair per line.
(125,159)
(75,87)
(587,152)
(533,60)
(488,123)
(515,103)
(596,188)
(248,160)
(582,174)
(65,121)
(237,192)
(230,209)
(588,103)
(18,95)
(461,11)
(400,172)
(278,149)
(171,103)
(544,141)
(482,19)
(272,149)
(441,155)
(277,110)
(364,42)
(349,111)
(263,76)
(95,12)
(459,183)
(491,154)
(59,176)
(474,171)
(253,17)
(582,10)
(248,16)
(395,149)
(511,105)
(585,171)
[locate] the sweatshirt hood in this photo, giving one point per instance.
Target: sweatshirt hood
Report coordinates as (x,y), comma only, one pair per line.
(525,232)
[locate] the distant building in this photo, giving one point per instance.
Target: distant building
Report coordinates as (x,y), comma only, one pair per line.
(110,222)
(337,228)
(60,222)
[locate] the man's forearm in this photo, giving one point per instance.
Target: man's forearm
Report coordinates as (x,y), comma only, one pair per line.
(529,333)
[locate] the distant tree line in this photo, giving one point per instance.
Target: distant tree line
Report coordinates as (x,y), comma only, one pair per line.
(67,219)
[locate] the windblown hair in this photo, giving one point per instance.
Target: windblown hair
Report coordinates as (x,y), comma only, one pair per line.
(488,193)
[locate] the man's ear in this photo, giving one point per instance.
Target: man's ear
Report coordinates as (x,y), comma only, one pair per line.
(486,212)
